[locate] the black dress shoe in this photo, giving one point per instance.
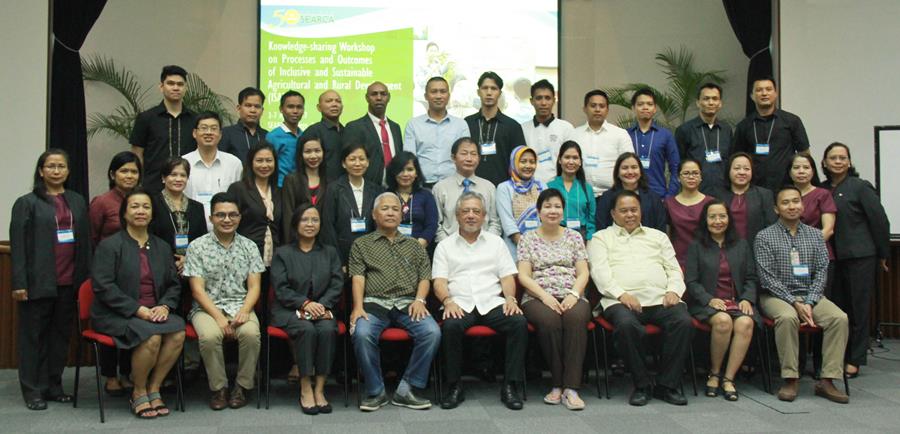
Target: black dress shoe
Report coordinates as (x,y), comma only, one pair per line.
(62,397)
(325,409)
(670,395)
(36,404)
(453,398)
(510,396)
(640,397)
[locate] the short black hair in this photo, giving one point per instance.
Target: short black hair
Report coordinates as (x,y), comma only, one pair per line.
(296,215)
(785,187)
(172,70)
(351,147)
(222,197)
(124,205)
(643,91)
(289,94)
(543,84)
(39,187)
(248,92)
(765,78)
(397,164)
(248,177)
(174,162)
(623,194)
(593,93)
(851,171)
(493,76)
(547,194)
(436,78)
(710,85)
(731,159)
(207,115)
(460,141)
(121,159)
(642,181)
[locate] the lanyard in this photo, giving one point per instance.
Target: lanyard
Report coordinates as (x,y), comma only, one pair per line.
(355,209)
(771,127)
(703,134)
(481,133)
(410,205)
(638,144)
(71,220)
(247,139)
(180,231)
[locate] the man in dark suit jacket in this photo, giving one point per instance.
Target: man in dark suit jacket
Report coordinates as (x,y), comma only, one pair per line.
(376,131)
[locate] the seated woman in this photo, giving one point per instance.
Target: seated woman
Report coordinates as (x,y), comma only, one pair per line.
(554,271)
(137,292)
(721,283)
(420,214)
(307,278)
(628,174)
(517,196)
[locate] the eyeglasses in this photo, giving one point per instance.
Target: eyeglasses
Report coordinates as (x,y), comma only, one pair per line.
(230,215)
(208,128)
(694,174)
(52,167)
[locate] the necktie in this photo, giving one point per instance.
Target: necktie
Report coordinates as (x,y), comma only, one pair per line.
(466,183)
(385,143)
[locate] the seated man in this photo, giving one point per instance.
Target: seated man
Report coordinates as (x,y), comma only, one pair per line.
(390,279)
(635,269)
(792,263)
(219,264)
(471,269)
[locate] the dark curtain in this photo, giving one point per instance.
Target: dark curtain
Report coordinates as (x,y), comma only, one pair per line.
(751,21)
(72,20)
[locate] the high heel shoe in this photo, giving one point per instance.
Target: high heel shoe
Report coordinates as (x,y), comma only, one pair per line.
(711,391)
(729,395)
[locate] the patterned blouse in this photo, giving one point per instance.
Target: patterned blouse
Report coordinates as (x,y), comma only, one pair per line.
(552,262)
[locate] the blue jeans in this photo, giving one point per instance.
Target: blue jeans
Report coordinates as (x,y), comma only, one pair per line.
(426,337)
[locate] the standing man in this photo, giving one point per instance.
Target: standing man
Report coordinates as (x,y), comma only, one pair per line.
(446,192)
(246,132)
(430,136)
(284,137)
(224,270)
(329,131)
(545,133)
(601,142)
(164,131)
(654,145)
(707,140)
(497,134)
(212,171)
(381,135)
(474,279)
(792,262)
(771,135)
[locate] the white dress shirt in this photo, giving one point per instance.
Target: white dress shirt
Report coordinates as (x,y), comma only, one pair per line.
(474,270)
(599,150)
(546,140)
(208,179)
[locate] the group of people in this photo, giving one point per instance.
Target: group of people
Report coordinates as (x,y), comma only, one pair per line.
(503,225)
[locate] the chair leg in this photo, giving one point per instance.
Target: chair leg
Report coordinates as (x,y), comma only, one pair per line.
(77,373)
(346,372)
(259,381)
(766,375)
(179,391)
(181,371)
(605,363)
(268,373)
(593,338)
(359,390)
(99,390)
(846,384)
(693,371)
(768,360)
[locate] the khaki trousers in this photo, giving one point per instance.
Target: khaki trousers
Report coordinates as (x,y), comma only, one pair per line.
(211,338)
(834,341)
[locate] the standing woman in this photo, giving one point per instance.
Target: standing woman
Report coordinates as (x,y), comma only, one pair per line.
(307,184)
(124,175)
(50,252)
(419,209)
(720,274)
(685,207)
(517,197)
(307,278)
(554,271)
(178,220)
(819,209)
(578,193)
(628,174)
(752,207)
(137,296)
(347,206)
(861,245)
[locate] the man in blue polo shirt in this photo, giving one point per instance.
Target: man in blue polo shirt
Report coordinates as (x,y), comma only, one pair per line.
(284,137)
(430,136)
(654,145)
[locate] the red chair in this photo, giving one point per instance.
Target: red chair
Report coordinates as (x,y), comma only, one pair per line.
(481,331)
(650,330)
(85,298)
(804,330)
(396,334)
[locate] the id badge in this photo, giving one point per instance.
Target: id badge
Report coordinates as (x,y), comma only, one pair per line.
(531,224)
(181,241)
(573,224)
(713,157)
(489,148)
(592,162)
(65,236)
(800,270)
(405,229)
(762,149)
(645,162)
(357,225)
(545,156)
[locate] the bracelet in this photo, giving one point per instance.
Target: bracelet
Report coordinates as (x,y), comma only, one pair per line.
(447,301)
(512,298)
(421,300)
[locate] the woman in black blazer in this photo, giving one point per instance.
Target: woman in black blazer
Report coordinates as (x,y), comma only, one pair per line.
(259,201)
(50,249)
(720,274)
(307,278)
(136,287)
(345,216)
(178,220)
(752,207)
(861,244)
(307,184)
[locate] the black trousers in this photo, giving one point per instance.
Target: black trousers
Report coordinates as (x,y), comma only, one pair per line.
(629,336)
(45,326)
(855,282)
(514,328)
(314,344)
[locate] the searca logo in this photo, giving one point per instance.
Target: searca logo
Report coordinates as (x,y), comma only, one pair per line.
(293,17)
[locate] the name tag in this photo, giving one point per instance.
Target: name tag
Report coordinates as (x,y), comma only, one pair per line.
(65,236)
(713,157)
(181,241)
(592,161)
(800,270)
(573,224)
(762,149)
(545,156)
(357,225)
(532,223)
(645,162)
(489,148)
(405,229)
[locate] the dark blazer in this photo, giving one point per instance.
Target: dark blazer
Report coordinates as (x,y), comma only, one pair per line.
(653,212)
(253,214)
(117,280)
(339,207)
(861,228)
(701,274)
(32,237)
(760,208)
(163,226)
(295,274)
(363,131)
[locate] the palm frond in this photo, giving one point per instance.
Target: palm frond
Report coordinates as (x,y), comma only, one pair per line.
(103,70)
(118,124)
(684,79)
(200,97)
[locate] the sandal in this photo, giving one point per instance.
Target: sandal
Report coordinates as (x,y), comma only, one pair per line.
(161,410)
(144,413)
(730,395)
(554,397)
(711,391)
(572,401)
